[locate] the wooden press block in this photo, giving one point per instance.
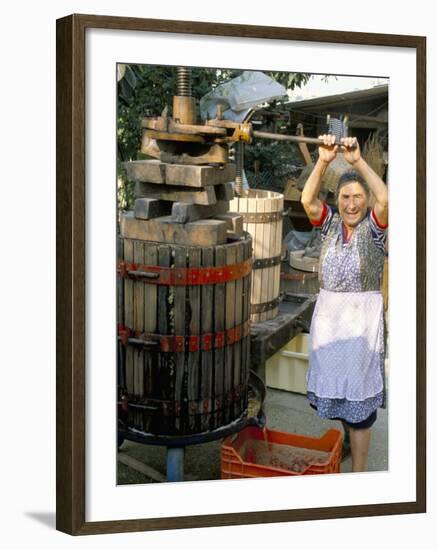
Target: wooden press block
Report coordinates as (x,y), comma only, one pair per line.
(145,208)
(199,233)
(217,153)
(152,171)
(198,176)
(234,221)
(224,192)
(183,212)
(203,195)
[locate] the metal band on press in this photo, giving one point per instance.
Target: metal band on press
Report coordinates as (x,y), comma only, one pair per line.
(261,217)
(265,306)
(184,276)
(175,343)
(261,263)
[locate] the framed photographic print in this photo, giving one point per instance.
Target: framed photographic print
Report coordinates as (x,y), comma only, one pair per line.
(164,129)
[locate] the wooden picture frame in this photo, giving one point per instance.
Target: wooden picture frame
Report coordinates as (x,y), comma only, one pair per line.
(71,275)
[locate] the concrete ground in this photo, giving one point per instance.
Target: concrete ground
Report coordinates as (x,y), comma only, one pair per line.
(285,411)
(291,412)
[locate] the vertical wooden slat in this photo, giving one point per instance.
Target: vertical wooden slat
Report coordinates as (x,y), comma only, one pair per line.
(273,252)
(278,250)
(139,288)
(269,205)
(245,300)
(239,252)
(129,315)
(194,259)
(258,246)
(121,349)
(163,378)
(150,322)
(181,358)
(244,297)
(206,326)
(120,293)
(138,325)
(251,229)
(219,325)
(248,286)
(265,230)
(229,323)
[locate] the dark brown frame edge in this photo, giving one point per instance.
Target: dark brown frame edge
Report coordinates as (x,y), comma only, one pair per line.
(70,274)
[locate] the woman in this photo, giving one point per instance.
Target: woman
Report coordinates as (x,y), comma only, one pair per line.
(345,379)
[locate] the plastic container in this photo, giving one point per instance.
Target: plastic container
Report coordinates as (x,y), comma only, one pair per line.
(239,453)
(287,368)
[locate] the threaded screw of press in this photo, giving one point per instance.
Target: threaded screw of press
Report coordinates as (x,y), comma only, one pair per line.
(239,165)
(183,80)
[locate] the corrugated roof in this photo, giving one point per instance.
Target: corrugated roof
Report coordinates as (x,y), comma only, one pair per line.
(338,99)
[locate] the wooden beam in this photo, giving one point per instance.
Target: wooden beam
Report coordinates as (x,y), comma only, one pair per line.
(146,209)
(152,171)
(199,176)
(202,195)
(182,212)
(165,230)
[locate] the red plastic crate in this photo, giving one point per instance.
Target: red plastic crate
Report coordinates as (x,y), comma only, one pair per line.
(238,461)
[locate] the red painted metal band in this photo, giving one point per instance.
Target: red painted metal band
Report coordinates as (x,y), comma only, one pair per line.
(175,276)
(175,343)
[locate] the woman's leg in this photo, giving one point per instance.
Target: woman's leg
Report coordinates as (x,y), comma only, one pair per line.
(360,439)
(346,451)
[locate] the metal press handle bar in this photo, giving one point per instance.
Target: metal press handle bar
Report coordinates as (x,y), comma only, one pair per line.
(295,139)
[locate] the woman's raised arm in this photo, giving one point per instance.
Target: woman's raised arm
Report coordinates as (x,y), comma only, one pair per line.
(313,206)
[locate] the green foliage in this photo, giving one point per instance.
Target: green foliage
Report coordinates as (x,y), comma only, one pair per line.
(289,80)
(275,160)
(143,90)
(272,156)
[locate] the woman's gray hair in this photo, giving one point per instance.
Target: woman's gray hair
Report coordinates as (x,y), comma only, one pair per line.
(349,177)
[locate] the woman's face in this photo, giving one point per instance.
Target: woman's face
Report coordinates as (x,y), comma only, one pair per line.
(352,203)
